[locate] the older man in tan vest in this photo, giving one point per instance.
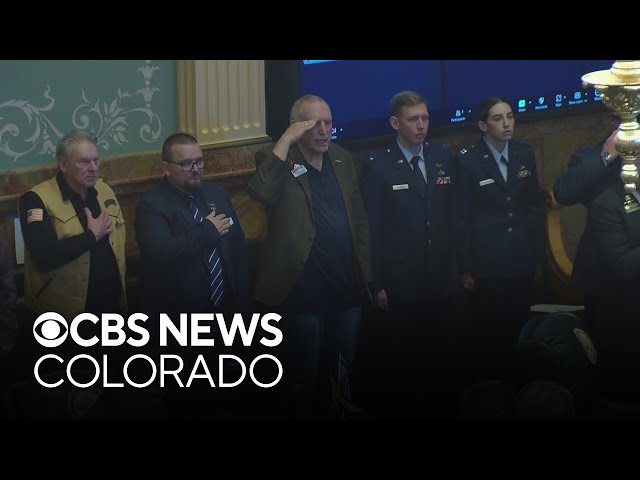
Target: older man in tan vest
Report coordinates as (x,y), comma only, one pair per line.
(74,236)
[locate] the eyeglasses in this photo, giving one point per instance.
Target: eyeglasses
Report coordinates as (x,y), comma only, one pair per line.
(188,164)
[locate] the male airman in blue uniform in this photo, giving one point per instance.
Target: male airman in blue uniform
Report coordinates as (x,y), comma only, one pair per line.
(408,193)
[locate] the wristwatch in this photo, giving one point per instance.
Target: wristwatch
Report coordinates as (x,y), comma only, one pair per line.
(606,158)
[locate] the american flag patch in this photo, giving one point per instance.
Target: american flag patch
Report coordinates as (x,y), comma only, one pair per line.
(34,215)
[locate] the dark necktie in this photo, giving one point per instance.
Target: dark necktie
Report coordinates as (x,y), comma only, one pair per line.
(422,185)
(506,163)
(213,259)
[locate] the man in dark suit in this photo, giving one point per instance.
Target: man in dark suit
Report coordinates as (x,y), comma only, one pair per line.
(503,247)
(316,258)
(408,193)
(591,171)
(175,271)
(192,247)
(614,219)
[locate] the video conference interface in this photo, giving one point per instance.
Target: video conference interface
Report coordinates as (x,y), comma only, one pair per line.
(359,91)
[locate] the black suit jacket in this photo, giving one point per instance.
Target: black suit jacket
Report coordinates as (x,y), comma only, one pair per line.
(584,180)
(412,240)
(174,272)
(615,219)
(503,222)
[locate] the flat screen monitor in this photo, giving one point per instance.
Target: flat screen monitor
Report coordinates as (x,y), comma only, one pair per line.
(358,91)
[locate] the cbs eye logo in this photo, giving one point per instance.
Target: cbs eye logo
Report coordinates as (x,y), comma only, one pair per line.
(50,329)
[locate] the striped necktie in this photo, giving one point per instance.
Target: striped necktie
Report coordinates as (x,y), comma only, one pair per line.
(216,279)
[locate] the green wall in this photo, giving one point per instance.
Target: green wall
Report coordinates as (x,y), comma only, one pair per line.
(131,105)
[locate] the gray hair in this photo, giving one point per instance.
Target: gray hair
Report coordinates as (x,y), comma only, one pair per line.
(74,136)
(297,106)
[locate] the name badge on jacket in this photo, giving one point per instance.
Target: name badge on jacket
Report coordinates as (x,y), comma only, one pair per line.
(298,170)
(404,186)
(487,181)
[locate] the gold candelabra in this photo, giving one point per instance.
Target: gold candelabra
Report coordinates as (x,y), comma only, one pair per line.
(619,88)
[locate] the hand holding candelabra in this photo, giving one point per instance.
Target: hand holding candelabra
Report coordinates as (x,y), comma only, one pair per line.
(619,88)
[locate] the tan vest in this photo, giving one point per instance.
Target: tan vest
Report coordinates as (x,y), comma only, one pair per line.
(64,289)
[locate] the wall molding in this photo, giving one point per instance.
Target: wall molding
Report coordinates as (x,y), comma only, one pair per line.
(221,101)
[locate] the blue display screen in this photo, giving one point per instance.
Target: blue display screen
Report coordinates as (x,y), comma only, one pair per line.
(358,91)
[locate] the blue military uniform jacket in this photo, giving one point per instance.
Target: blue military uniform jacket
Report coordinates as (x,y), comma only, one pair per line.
(584,180)
(503,222)
(413,254)
(615,221)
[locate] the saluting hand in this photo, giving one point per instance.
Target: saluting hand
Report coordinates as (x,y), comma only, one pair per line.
(297,129)
(292,135)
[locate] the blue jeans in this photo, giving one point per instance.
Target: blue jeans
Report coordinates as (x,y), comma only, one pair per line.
(314,345)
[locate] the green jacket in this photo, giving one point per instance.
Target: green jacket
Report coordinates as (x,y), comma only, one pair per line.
(291,230)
